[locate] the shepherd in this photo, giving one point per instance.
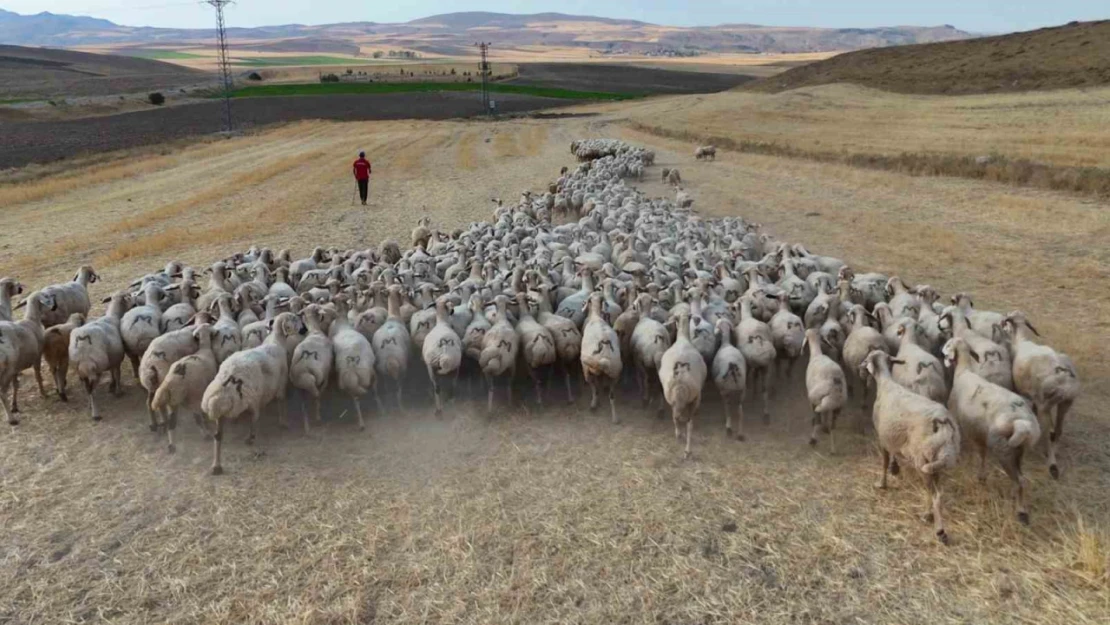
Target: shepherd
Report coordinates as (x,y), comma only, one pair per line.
(361,170)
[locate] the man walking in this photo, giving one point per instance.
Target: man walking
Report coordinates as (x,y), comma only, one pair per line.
(361,170)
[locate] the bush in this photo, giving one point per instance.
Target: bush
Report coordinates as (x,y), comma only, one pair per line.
(329,78)
(157,99)
(254,76)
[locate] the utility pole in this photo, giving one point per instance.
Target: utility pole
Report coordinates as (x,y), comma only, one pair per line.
(483,47)
(225,64)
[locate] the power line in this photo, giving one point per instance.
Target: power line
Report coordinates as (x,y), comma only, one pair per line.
(483,47)
(225,64)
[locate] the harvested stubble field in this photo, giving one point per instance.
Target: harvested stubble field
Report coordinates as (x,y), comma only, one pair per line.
(545,515)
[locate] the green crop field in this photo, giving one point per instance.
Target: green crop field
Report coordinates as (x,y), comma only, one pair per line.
(279,61)
(162,54)
(347,88)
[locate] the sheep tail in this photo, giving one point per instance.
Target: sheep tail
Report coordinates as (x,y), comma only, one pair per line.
(163,397)
(1023,434)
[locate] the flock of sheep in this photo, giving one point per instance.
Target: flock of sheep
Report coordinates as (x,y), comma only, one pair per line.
(633,287)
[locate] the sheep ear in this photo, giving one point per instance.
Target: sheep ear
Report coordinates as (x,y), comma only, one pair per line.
(974,356)
(106,300)
(895,361)
(1030,326)
(22,304)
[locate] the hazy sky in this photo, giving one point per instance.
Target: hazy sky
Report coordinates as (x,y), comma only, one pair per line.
(973,15)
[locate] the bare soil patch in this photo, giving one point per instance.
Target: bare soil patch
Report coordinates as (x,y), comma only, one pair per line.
(624,78)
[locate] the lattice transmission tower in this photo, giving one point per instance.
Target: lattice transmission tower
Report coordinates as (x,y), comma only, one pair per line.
(225,64)
(483,48)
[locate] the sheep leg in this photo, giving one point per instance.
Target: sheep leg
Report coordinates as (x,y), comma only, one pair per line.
(641,383)
(455,384)
(613,403)
(740,418)
(934,514)
(38,378)
(1011,464)
(539,386)
(358,411)
(886,467)
(199,419)
(171,425)
(217,441)
(60,382)
(982,475)
(134,365)
(12,420)
(400,391)
(316,397)
(117,384)
(764,377)
(15,394)
(254,427)
(304,409)
(570,392)
(1059,412)
(378,399)
(512,376)
(816,423)
(435,391)
(689,435)
(593,397)
(154,421)
(833,416)
(489,394)
(728,416)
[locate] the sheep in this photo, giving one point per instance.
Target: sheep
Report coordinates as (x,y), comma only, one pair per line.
(730,377)
(9,288)
(442,351)
(862,340)
(499,351)
(185,382)
(758,347)
(986,323)
(97,347)
(993,418)
(391,344)
(993,363)
(650,340)
(706,152)
(601,355)
(789,336)
(826,388)
(422,233)
(55,351)
(249,380)
(219,283)
(313,358)
(918,370)
(682,374)
(178,315)
(1046,377)
(354,359)
(683,199)
(70,297)
(160,356)
(21,348)
(299,268)
(230,337)
(912,430)
(674,178)
(902,302)
(666,172)
(537,345)
(142,324)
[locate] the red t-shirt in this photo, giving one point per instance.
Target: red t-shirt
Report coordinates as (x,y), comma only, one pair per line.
(362,169)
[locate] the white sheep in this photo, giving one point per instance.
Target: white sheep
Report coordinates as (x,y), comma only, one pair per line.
(442,351)
(230,336)
(754,339)
(184,383)
(142,324)
(826,388)
(568,339)
(499,351)
(311,367)
(354,359)
(915,431)
(69,297)
(160,356)
(682,373)
(862,340)
(994,362)
(706,152)
(9,288)
(730,377)
(21,345)
(650,340)
(600,355)
(993,418)
(1048,378)
(392,344)
(249,380)
(97,347)
(918,370)
(537,345)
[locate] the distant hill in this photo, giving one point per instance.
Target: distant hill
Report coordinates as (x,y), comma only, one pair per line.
(43,73)
(1074,55)
(455,33)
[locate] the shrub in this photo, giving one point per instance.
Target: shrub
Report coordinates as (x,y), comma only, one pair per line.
(157,98)
(254,76)
(329,78)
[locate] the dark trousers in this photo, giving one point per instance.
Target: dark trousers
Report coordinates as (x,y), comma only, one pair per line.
(363,189)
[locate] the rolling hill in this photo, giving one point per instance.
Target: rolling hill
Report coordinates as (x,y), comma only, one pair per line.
(42,72)
(455,33)
(1073,55)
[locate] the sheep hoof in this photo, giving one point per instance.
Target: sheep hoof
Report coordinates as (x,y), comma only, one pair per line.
(154,428)
(13,421)
(766,419)
(63,397)
(812,442)
(942,536)
(171,448)
(728,431)
(217,470)
(894,468)
(741,438)
(97,417)
(686,455)
(250,440)
(1023,518)
(1054,471)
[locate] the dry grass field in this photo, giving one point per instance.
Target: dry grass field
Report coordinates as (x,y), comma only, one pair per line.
(552,515)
